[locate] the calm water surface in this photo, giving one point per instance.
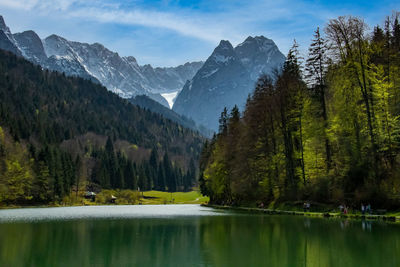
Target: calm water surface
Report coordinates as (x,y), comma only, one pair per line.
(189,235)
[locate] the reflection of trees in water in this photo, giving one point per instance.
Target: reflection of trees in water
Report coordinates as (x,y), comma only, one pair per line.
(143,242)
(244,240)
(293,241)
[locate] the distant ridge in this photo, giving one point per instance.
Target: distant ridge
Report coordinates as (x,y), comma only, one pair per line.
(121,75)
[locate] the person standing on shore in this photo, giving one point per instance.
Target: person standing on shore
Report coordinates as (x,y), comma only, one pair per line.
(362,208)
(341,207)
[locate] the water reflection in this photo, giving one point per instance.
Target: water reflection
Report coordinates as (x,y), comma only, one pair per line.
(307,222)
(293,241)
(233,240)
(366,225)
(344,223)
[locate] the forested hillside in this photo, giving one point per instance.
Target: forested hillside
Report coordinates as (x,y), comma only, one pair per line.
(327,130)
(65,134)
(152,105)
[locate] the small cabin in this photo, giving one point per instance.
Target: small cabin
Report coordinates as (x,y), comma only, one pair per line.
(90,195)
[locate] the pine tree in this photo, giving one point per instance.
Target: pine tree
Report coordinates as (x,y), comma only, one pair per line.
(153,167)
(223,120)
(40,188)
(161,177)
(109,146)
(289,87)
(316,68)
(130,177)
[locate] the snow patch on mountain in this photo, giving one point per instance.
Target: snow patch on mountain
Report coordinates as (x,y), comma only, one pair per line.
(170,97)
(222,58)
(210,73)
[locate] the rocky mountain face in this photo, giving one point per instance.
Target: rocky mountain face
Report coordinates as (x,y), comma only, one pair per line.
(226,79)
(7,41)
(31,46)
(122,75)
(260,56)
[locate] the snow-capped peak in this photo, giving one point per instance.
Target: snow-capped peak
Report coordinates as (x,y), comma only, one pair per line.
(122,75)
(257,42)
(259,55)
(222,54)
(224,45)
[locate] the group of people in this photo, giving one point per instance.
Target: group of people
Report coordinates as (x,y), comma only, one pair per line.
(306,206)
(364,209)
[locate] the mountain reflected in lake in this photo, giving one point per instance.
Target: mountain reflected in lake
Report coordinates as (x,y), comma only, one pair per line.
(193,236)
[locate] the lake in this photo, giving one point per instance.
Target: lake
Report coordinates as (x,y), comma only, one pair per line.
(189,235)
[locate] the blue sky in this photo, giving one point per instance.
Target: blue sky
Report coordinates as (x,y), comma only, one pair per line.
(172,32)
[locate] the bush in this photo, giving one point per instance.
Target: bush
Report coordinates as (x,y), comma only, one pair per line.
(104,197)
(127,197)
(123,196)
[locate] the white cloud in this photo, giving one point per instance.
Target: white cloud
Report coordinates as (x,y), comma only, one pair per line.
(228,20)
(229,23)
(206,24)
(19,4)
(186,26)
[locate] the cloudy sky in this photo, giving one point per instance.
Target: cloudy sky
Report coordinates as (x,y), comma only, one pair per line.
(172,32)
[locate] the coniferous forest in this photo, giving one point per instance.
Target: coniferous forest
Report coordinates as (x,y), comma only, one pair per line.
(61,136)
(325,128)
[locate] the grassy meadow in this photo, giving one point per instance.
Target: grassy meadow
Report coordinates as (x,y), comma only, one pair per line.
(158,197)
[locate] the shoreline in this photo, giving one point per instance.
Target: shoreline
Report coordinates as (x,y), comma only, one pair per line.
(337,215)
(92,205)
(144,198)
(389,218)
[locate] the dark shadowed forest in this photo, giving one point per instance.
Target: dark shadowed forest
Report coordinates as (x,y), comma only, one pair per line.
(61,136)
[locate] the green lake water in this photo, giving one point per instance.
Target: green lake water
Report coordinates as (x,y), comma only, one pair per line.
(189,235)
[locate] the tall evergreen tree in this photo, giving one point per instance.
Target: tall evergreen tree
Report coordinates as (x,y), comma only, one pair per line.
(316,69)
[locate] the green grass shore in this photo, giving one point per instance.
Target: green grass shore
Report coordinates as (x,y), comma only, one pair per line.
(124,197)
(389,216)
(129,197)
(158,197)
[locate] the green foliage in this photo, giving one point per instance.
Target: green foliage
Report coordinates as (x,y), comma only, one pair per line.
(332,139)
(16,174)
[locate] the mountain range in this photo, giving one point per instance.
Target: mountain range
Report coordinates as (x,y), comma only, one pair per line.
(121,75)
(197,90)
